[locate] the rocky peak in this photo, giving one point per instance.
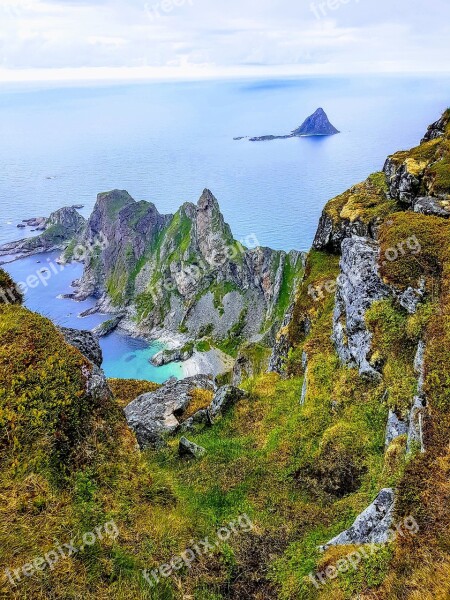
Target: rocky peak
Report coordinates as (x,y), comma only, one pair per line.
(213,235)
(68,218)
(316,124)
(184,271)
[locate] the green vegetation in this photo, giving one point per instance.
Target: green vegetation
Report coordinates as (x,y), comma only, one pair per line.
(291,274)
(430,162)
(364,202)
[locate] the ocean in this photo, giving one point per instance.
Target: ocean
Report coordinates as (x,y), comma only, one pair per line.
(166,142)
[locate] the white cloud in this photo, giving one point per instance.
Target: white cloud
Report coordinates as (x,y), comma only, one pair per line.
(206,38)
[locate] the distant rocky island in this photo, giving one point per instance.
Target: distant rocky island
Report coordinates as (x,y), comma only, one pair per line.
(316,124)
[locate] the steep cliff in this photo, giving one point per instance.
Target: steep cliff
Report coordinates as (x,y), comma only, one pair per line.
(371,320)
(183,272)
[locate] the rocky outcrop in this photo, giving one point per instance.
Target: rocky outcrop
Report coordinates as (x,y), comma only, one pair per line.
(38,223)
(437,129)
(166,357)
(418,411)
(417,178)
(155,415)
(127,228)
(358,286)
(357,212)
(61,227)
(404,185)
(183,271)
(224,398)
(416,420)
(419,367)
(85,342)
(108,326)
(395,427)
(432,206)
(316,124)
(187,449)
(372,526)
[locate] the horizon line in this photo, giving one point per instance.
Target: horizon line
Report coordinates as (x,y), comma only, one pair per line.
(160,74)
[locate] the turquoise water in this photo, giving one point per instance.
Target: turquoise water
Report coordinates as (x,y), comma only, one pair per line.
(123,356)
(167,142)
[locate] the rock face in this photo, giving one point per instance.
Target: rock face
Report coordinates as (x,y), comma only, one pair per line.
(86,343)
(225,397)
(188,449)
(431,206)
(358,286)
(61,227)
(316,124)
(417,178)
(108,326)
(154,415)
(415,431)
(437,129)
(395,427)
(182,271)
(166,357)
(371,526)
(330,234)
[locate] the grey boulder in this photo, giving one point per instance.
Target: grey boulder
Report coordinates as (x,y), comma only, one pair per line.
(189,449)
(395,427)
(372,526)
(155,415)
(224,398)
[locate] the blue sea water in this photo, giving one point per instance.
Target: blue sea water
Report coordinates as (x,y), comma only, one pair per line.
(166,142)
(123,356)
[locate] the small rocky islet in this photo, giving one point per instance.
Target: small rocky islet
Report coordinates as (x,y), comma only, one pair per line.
(316,124)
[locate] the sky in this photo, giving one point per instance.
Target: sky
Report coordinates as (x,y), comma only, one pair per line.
(153,39)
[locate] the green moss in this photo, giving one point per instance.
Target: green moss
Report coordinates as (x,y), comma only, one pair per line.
(115,203)
(291,275)
(44,410)
(364,202)
(145,305)
(203,346)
